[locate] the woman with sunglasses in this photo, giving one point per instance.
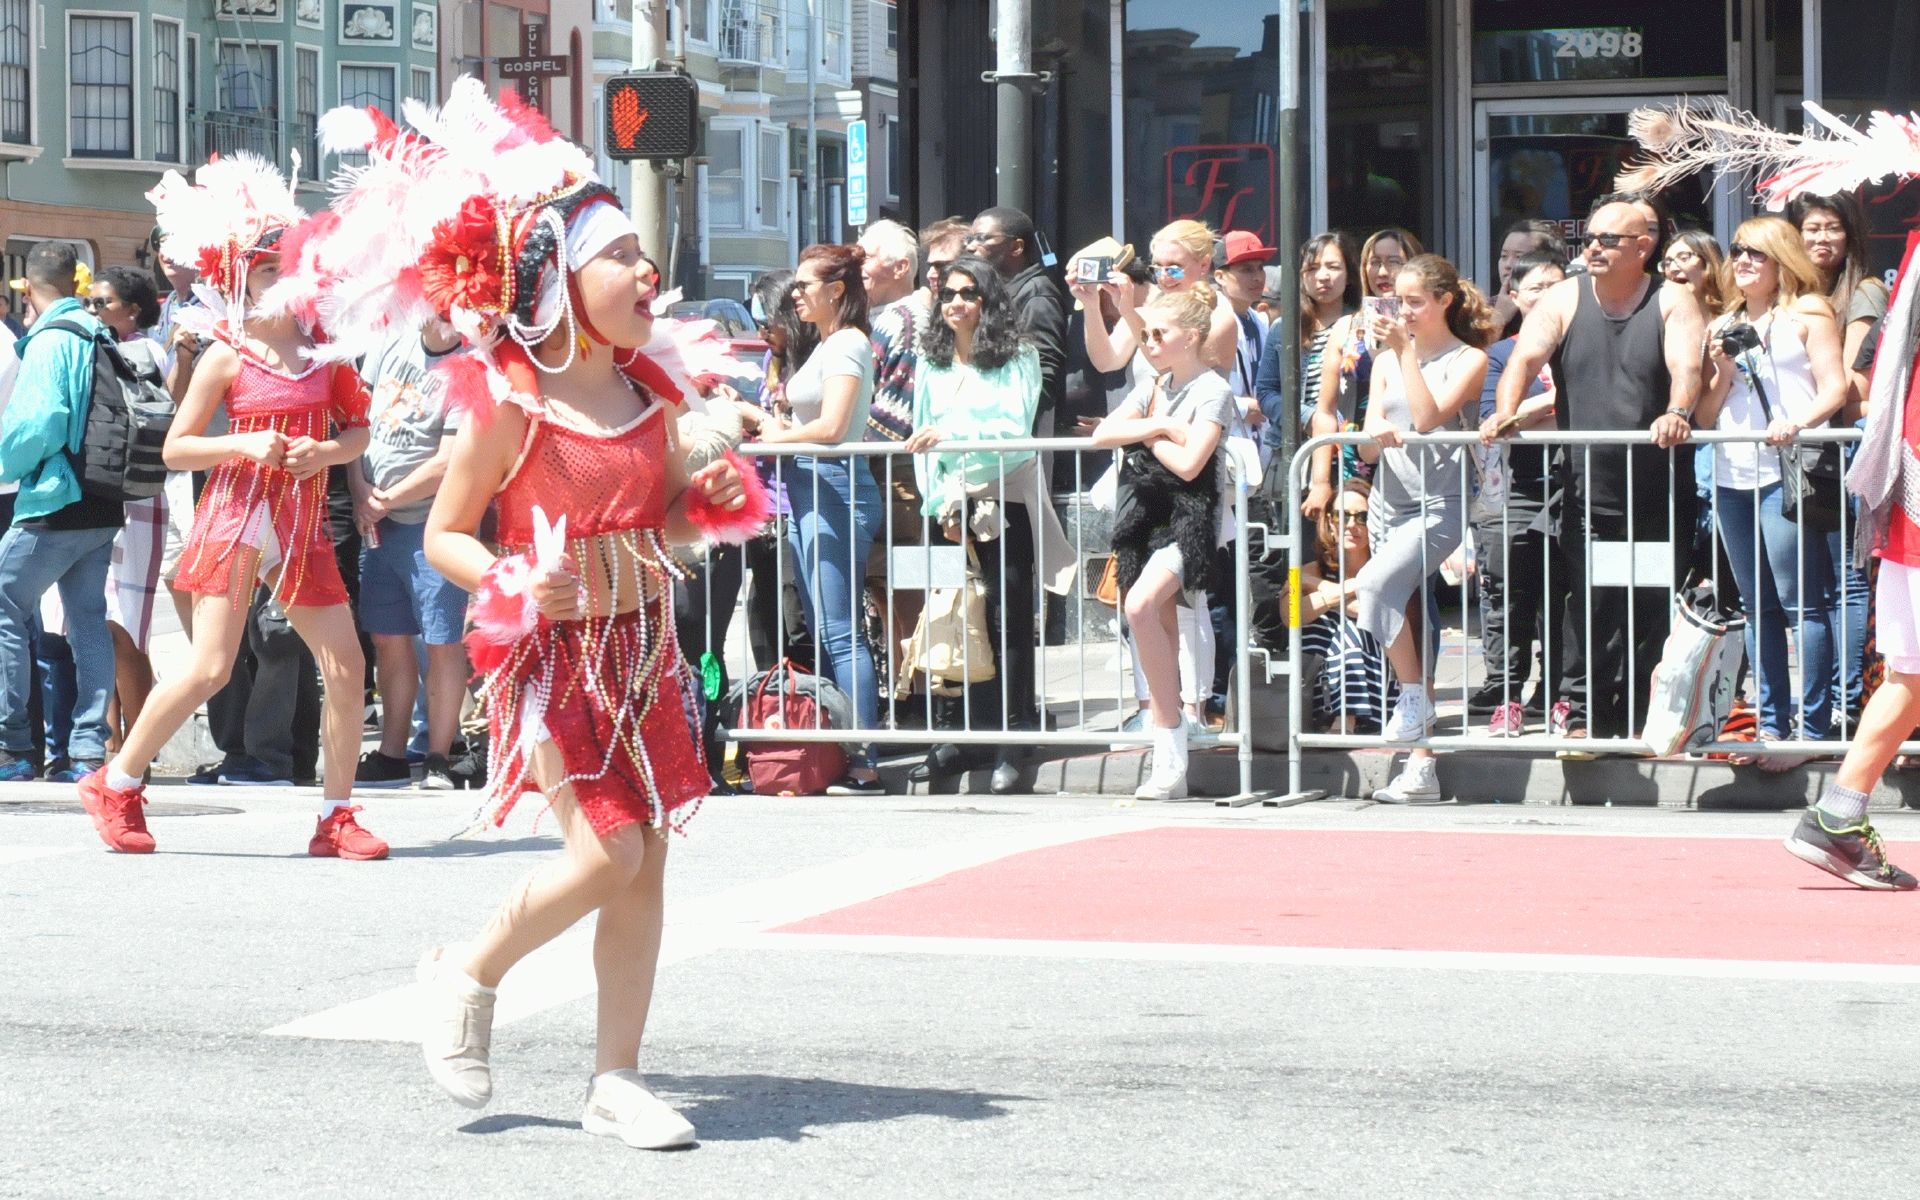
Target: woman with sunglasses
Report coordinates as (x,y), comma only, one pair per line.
(1166,539)
(1779,373)
(147,546)
(1356,687)
(1182,258)
(1346,368)
(979,380)
(837,508)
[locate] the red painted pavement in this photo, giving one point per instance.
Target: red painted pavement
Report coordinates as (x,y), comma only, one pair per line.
(1488,892)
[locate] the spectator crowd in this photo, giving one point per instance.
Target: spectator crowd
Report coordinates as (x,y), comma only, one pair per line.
(1170,364)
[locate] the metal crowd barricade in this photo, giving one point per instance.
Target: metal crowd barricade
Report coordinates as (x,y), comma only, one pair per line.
(1084,716)
(1636,564)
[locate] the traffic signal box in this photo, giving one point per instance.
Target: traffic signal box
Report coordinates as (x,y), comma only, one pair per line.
(652,114)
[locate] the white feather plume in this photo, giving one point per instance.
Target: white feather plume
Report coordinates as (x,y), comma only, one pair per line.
(1832,157)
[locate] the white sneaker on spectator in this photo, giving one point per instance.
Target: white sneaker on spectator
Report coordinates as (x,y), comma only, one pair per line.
(1417,783)
(1412,713)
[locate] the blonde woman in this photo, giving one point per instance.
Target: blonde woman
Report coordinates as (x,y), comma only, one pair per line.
(1346,366)
(1182,260)
(1165,539)
(1775,356)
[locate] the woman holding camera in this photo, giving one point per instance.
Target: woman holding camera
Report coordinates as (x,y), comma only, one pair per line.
(1776,365)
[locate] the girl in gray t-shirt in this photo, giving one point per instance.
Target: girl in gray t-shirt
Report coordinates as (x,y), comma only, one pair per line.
(1182,420)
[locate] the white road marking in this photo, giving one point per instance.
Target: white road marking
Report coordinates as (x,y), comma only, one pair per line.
(1311,956)
(16,854)
(563,970)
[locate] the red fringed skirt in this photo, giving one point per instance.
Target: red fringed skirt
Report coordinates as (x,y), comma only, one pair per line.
(615,698)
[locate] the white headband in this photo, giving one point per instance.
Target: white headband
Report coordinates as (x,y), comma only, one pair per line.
(600,225)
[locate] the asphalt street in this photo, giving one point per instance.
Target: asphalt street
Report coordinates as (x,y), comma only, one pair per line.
(221,1018)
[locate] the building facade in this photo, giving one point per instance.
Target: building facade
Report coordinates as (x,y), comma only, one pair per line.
(98,99)
(1451,118)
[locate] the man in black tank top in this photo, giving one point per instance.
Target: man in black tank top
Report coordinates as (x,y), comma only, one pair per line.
(1624,347)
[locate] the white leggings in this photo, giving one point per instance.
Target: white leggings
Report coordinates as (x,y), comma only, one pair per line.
(1196,653)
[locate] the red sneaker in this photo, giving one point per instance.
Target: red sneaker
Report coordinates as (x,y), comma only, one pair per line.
(340,836)
(117,816)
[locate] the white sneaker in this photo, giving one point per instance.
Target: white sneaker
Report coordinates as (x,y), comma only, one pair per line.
(1417,783)
(459,1031)
(1412,713)
(1169,778)
(619,1105)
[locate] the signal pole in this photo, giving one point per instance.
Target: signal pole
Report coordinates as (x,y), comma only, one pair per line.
(650,213)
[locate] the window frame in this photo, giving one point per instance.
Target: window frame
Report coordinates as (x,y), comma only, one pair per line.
(179,87)
(340,84)
(433,83)
(895,150)
(753,131)
(765,130)
(276,116)
(739,127)
(309,143)
(32,67)
(892,20)
(135,113)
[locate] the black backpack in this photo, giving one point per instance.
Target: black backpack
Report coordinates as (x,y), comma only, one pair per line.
(128,415)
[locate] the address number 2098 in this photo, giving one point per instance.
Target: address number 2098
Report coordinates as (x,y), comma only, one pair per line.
(1596,43)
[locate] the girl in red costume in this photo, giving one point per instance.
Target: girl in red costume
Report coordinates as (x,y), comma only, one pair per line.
(263,515)
(572,440)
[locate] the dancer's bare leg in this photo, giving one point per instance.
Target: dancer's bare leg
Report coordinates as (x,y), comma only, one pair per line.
(592,871)
(626,950)
(329,632)
(218,627)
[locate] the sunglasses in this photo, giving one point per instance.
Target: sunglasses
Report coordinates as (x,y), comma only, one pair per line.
(1610,241)
(1169,272)
(983,239)
(970,295)
(1738,250)
(93,303)
(1156,335)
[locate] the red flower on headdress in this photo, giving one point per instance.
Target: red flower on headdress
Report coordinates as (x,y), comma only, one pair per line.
(208,267)
(461,266)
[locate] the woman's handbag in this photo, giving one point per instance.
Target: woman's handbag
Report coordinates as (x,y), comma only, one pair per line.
(1810,491)
(1108,593)
(951,642)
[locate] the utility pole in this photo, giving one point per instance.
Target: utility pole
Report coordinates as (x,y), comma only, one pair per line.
(1012,77)
(812,232)
(650,213)
(1287,242)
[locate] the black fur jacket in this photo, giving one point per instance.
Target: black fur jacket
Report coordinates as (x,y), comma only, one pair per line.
(1157,508)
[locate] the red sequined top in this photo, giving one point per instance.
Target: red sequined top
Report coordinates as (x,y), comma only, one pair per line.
(246,506)
(604,482)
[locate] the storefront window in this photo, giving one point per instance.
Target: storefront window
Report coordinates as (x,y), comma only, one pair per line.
(1379,117)
(1539,41)
(1202,96)
(1554,166)
(1870,59)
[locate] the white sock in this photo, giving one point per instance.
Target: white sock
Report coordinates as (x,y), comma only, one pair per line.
(1843,804)
(119,780)
(328,807)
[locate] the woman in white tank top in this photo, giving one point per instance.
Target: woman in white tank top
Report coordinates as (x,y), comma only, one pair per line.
(1791,380)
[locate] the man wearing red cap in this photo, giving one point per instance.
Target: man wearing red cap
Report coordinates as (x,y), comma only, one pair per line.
(1241,277)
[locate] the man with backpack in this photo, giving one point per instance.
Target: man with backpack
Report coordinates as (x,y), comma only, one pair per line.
(60,535)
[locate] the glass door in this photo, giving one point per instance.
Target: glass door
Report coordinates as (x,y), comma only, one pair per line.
(1550,158)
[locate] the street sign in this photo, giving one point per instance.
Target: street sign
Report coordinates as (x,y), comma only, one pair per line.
(857,173)
(652,114)
(521,68)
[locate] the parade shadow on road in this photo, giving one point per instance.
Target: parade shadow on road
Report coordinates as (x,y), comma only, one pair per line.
(745,1108)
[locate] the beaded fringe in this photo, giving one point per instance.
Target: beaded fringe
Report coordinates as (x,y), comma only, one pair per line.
(523,686)
(245,487)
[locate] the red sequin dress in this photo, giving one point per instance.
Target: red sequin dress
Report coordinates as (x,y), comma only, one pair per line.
(247,507)
(611,691)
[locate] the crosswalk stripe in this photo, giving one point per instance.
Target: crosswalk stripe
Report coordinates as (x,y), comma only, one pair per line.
(562,970)
(1316,956)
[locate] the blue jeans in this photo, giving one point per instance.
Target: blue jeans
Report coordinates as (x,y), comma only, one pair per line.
(76,560)
(56,690)
(836,512)
(1773,602)
(1848,678)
